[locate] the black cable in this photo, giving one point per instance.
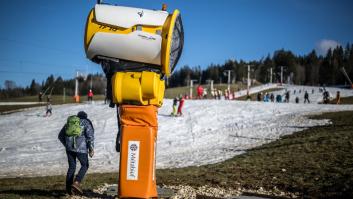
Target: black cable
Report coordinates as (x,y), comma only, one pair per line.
(29,72)
(66,51)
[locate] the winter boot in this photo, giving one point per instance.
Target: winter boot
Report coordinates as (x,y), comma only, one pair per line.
(76,188)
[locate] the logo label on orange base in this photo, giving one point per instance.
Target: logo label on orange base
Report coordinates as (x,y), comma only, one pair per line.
(133,160)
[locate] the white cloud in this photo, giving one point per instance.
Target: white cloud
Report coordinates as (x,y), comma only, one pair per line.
(324,45)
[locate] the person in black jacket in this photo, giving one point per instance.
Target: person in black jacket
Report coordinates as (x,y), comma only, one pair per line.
(78,147)
(306,97)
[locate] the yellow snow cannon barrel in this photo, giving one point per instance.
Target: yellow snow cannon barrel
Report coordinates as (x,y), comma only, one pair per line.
(153,38)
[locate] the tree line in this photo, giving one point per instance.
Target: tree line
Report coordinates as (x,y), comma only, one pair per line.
(55,86)
(311,69)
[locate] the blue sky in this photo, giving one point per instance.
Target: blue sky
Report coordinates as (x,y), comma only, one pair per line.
(42,37)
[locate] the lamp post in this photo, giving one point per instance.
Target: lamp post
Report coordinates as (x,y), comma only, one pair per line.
(209,81)
(77,97)
(248,84)
(191,86)
(281,75)
(79,74)
(228,72)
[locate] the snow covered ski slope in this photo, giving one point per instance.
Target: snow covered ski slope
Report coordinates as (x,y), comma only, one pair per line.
(209,131)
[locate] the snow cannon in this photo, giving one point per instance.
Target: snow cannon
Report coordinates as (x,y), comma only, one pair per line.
(135,37)
(137,48)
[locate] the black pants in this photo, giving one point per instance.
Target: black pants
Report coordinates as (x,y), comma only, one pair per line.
(306,100)
(71,157)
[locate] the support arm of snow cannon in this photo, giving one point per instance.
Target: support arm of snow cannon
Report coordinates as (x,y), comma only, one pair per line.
(137,48)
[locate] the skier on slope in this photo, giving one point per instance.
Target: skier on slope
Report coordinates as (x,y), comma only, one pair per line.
(181,104)
(338,97)
(297,99)
(175,104)
(287,96)
(77,135)
(272,97)
(259,96)
(226,96)
(306,97)
(266,97)
(326,96)
(219,94)
(199,92)
(90,95)
(48,110)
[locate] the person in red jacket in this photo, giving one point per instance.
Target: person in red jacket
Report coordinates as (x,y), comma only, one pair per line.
(180,107)
(199,92)
(90,95)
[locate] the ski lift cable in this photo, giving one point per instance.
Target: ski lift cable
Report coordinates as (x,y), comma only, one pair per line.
(51,91)
(34,63)
(37,45)
(45,91)
(51,87)
(30,72)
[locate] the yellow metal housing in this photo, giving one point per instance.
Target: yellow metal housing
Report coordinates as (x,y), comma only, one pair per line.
(138,88)
(93,27)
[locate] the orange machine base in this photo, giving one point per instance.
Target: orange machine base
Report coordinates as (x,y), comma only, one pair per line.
(138,150)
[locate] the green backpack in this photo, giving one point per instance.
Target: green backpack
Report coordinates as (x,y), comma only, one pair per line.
(73,127)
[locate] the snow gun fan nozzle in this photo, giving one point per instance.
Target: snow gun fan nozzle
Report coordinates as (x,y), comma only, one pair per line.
(135,37)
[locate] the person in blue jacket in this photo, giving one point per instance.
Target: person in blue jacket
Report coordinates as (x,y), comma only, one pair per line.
(78,147)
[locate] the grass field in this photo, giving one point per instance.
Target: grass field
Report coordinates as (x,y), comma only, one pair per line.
(314,163)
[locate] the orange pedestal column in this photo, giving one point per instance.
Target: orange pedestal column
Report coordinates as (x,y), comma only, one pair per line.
(138,151)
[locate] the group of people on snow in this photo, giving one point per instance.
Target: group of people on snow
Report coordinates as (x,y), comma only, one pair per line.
(49,108)
(178,103)
(227,94)
(217,94)
(325,96)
